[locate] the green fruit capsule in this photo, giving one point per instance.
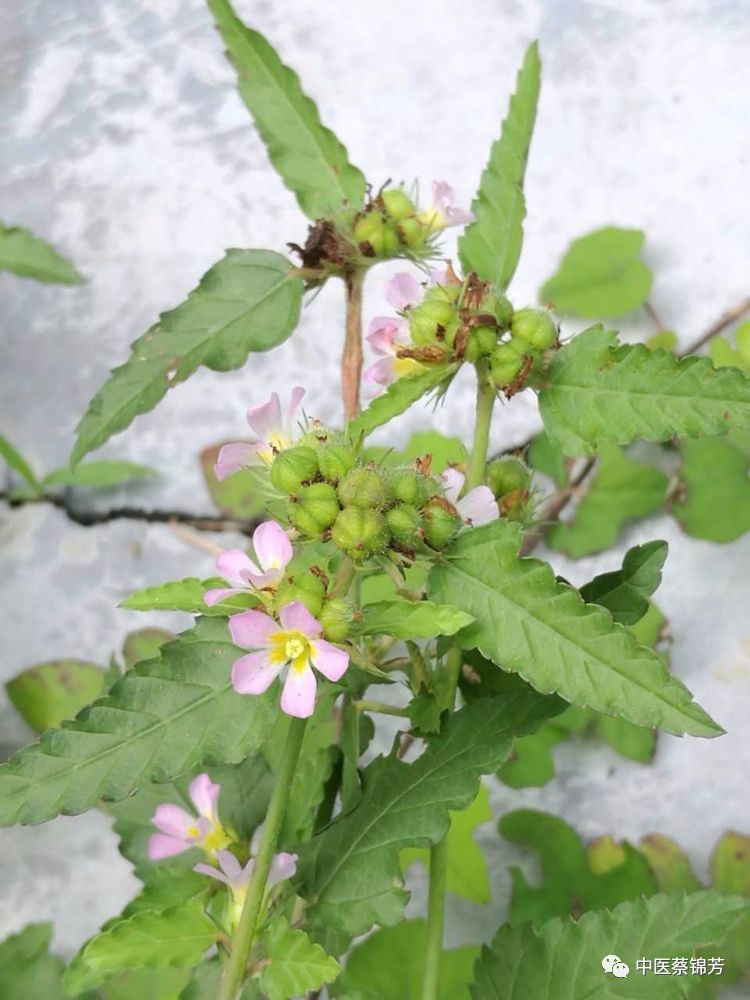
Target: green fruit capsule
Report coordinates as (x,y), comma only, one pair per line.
(398,204)
(482,342)
(410,487)
(534,327)
(507,475)
(430,317)
(315,509)
(364,488)
(500,307)
(360,533)
(505,365)
(375,237)
(411,232)
(440,523)
(335,460)
(305,587)
(292,467)
(336,618)
(404,522)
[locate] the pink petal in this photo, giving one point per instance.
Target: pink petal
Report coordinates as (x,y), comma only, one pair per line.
(402,291)
(330,660)
(236,566)
(173,820)
(283,866)
(478,506)
(453,482)
(296,616)
(229,865)
(233,457)
(382,336)
(440,276)
(252,629)
(265,420)
(212,597)
(298,696)
(458,217)
(442,195)
(294,400)
(161,846)
(204,794)
(381,373)
(272,546)
(212,872)
(254,673)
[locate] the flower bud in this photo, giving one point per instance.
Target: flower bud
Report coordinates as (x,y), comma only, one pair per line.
(507,362)
(375,237)
(364,487)
(315,509)
(440,522)
(335,460)
(404,522)
(398,204)
(360,533)
(304,586)
(335,617)
(507,475)
(534,327)
(292,467)
(481,343)
(410,487)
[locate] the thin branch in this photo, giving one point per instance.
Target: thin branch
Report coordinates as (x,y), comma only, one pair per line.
(555,506)
(654,316)
(726,319)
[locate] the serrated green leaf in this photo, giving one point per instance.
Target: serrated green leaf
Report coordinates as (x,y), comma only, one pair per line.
(162,718)
(601,275)
(530,623)
(562,960)
(625,592)
(145,984)
(187,595)
(531,763)
(467,873)
(598,391)
(621,491)
(713,501)
(572,880)
(412,619)
(491,244)
(389,965)
(15,460)
(27,970)
(351,869)
(144,644)
(248,302)
(103,472)
(309,158)
(26,255)
(397,398)
(47,693)
(295,965)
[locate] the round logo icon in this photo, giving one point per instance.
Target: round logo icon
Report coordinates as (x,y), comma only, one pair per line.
(612,963)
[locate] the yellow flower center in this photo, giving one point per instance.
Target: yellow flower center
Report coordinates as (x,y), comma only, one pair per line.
(215,840)
(433,218)
(405,366)
(290,647)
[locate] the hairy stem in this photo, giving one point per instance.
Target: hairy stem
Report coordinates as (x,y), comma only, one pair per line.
(242,939)
(485,403)
(435,919)
(351,360)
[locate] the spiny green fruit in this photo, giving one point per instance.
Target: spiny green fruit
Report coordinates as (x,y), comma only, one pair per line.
(398,204)
(500,307)
(360,533)
(440,522)
(507,361)
(305,587)
(507,475)
(404,522)
(412,232)
(372,230)
(535,327)
(336,617)
(335,460)
(315,509)
(292,467)
(365,487)
(430,318)
(410,486)
(481,343)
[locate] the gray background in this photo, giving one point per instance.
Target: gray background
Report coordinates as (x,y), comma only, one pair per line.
(125,143)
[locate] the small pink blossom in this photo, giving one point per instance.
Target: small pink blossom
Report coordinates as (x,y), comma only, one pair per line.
(237,876)
(273,551)
(443,213)
(181,830)
(295,643)
(385,336)
(402,291)
(477,507)
(274,431)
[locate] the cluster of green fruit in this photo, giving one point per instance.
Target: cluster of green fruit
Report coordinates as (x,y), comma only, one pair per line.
(389,224)
(310,586)
(442,317)
(532,332)
(363,509)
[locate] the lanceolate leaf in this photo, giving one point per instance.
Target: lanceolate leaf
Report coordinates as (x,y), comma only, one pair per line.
(413,619)
(491,244)
(18,463)
(625,592)
(187,595)
(530,623)
(164,717)
(562,960)
(249,301)
(351,870)
(714,498)
(598,391)
(27,255)
(104,472)
(309,158)
(398,397)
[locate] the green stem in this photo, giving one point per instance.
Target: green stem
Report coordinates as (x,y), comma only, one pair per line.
(485,403)
(378,706)
(435,919)
(235,969)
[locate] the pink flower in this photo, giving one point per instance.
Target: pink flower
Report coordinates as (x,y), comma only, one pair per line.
(385,336)
(477,507)
(237,877)
(181,830)
(273,430)
(442,213)
(402,290)
(273,551)
(295,643)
